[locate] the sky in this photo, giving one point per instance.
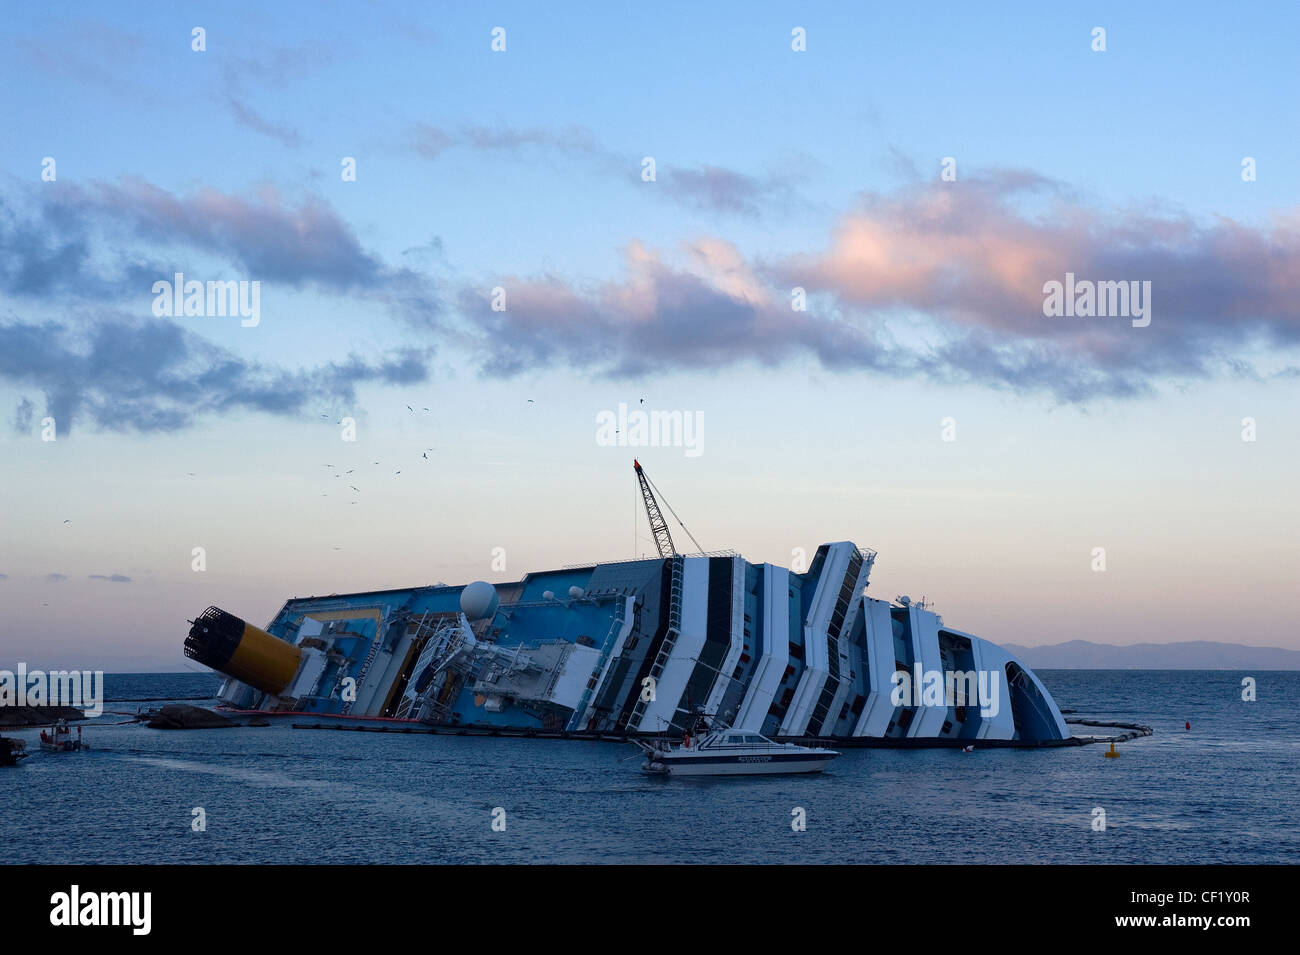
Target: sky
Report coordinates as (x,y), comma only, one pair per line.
(832,259)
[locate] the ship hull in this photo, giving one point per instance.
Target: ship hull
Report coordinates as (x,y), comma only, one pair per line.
(628,649)
(741,765)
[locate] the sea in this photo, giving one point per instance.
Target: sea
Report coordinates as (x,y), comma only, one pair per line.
(1224,790)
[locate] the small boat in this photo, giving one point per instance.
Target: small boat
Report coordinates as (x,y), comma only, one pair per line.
(61,741)
(12,751)
(711,751)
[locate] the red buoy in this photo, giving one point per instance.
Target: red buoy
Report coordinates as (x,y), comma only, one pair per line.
(1187,725)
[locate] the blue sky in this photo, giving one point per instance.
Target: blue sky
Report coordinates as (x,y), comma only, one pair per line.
(522,170)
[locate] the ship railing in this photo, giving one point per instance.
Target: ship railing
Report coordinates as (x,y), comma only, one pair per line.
(670,640)
(380,626)
(598,671)
(727,552)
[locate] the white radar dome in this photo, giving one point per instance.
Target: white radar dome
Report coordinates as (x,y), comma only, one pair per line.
(575,592)
(479,600)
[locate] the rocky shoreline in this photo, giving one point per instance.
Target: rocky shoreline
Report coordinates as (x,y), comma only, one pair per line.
(20,716)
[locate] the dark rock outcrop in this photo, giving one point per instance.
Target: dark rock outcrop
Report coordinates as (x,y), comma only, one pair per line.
(37,715)
(182,716)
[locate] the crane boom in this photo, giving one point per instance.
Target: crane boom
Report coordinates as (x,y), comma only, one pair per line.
(658,526)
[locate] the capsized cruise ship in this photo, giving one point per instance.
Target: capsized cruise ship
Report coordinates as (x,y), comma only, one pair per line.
(637,647)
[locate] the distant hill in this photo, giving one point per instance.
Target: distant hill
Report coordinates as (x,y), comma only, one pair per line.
(1189,655)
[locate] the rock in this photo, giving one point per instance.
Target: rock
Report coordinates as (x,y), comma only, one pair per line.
(182,716)
(37,715)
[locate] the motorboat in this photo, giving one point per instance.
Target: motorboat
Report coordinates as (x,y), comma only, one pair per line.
(716,751)
(61,739)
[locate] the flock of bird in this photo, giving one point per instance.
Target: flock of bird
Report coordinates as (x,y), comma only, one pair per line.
(342,474)
(352,487)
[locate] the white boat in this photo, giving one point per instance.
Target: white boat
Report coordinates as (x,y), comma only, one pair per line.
(730,752)
(61,741)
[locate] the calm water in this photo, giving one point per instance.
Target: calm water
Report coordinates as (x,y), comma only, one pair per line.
(1224,792)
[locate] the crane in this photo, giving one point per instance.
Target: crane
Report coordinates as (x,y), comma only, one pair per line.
(659,526)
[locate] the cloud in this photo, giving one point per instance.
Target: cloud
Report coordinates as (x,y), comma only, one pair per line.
(266,236)
(246,116)
(432,141)
(112,240)
(974,260)
(715,189)
(82,247)
(942,282)
(280,65)
(111,578)
(122,374)
(706,188)
(712,314)
(274,68)
(23,415)
(97,56)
